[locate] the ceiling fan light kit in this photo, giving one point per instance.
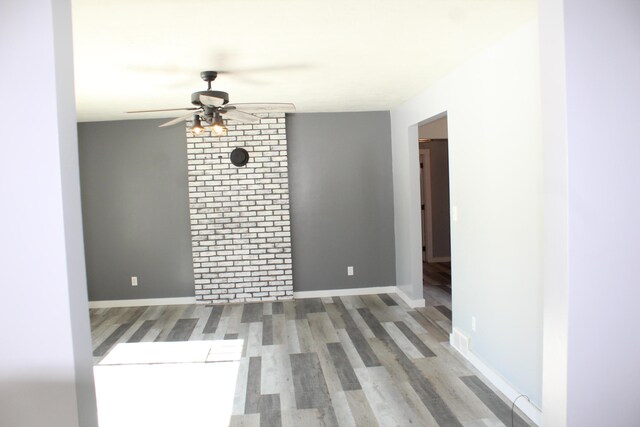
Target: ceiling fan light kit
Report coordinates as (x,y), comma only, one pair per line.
(197,128)
(211,105)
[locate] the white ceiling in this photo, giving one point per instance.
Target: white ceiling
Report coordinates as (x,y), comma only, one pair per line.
(330,55)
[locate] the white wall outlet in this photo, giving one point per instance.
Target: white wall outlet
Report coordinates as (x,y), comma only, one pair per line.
(350,270)
(454,213)
(473,323)
(134,280)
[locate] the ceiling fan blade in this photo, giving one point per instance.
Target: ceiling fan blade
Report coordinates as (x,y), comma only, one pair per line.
(178,119)
(271,107)
(240,116)
(211,101)
(165,109)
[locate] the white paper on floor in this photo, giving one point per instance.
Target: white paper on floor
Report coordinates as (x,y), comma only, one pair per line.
(168,384)
(174,352)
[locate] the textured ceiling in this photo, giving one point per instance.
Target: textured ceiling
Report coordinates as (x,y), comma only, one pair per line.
(347,55)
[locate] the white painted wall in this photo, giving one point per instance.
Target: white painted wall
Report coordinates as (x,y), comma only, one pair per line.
(591,348)
(495,160)
(46,375)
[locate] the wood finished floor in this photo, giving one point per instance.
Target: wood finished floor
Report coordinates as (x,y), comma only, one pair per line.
(342,361)
(437,274)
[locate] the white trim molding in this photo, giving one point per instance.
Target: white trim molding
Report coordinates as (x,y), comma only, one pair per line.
(413,303)
(461,343)
(141,302)
(345,292)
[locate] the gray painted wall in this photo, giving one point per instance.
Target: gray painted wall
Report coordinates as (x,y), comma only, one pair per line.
(341,192)
(135,210)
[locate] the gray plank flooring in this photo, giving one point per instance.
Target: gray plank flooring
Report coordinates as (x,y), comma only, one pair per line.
(344,361)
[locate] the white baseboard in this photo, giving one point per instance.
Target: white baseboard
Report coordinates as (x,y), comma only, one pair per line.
(413,303)
(460,342)
(304,294)
(345,292)
(142,302)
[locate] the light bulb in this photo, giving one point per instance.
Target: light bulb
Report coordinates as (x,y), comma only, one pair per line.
(197,128)
(218,128)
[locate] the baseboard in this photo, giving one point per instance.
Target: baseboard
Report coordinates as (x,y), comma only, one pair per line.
(141,302)
(461,343)
(346,292)
(413,303)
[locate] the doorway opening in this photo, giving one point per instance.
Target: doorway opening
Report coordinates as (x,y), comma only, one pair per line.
(433,146)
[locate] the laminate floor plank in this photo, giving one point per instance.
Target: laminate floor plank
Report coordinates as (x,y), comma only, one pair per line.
(279,327)
(277,308)
(433,330)
(402,341)
(361,408)
(342,409)
(252,312)
(270,412)
(250,420)
(387,299)
(366,360)
(202,314)
(240,392)
(167,321)
(379,308)
(305,339)
(346,374)
(328,368)
(308,381)
(355,334)
(423,387)
(352,302)
(267,329)
(253,341)
(141,331)
(289,308)
(415,340)
(182,330)
(387,403)
(349,349)
(234,317)
(307,306)
(321,328)
(111,340)
(335,316)
(444,310)
(492,401)
(252,399)
(459,398)
(293,343)
(214,319)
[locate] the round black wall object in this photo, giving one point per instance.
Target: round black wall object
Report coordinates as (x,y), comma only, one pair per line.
(239,157)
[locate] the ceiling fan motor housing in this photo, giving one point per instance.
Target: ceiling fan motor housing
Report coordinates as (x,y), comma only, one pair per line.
(195,96)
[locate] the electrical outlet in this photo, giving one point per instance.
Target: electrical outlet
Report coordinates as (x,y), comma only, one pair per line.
(134,280)
(473,323)
(350,270)
(454,213)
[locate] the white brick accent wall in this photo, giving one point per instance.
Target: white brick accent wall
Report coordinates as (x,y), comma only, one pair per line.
(240,227)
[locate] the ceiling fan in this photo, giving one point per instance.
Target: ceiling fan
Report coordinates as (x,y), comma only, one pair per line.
(212,105)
